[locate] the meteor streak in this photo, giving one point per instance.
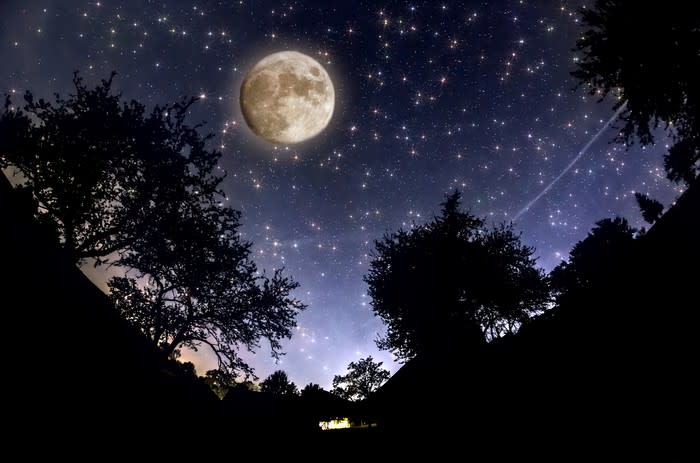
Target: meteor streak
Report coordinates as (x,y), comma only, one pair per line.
(572,163)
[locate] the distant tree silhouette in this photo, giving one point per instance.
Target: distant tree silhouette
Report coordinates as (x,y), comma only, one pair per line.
(278,384)
(650,208)
(592,259)
(364,377)
(100,168)
(221,383)
(187,368)
(657,74)
(451,283)
(311,389)
(218,382)
(249,385)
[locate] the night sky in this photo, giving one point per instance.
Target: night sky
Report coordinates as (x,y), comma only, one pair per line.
(430,97)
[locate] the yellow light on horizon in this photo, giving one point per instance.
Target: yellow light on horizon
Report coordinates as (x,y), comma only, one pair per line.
(334,424)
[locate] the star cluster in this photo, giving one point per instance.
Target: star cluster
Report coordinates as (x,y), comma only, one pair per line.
(430,97)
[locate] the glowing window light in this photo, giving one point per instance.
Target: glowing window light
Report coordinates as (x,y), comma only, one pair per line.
(334,424)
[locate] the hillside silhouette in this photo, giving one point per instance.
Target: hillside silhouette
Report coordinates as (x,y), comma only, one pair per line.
(91,364)
(98,369)
(618,356)
(612,366)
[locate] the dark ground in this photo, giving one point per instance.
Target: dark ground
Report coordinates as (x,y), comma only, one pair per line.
(613,371)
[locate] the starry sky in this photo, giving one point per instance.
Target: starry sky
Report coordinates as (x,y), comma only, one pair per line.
(430,97)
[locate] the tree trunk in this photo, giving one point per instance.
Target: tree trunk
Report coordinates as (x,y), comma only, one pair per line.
(157,333)
(170,347)
(69,244)
(180,336)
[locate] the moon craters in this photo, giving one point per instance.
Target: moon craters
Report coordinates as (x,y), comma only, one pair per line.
(287,98)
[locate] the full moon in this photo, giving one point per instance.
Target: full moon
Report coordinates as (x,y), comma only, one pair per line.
(287,97)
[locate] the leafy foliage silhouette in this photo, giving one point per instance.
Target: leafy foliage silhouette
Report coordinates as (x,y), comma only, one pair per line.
(311,390)
(279,384)
(203,289)
(650,208)
(592,259)
(99,168)
(657,74)
(363,378)
(143,192)
(452,283)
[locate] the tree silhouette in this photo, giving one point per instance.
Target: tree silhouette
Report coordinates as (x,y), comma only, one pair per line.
(311,390)
(651,209)
(221,383)
(657,74)
(141,190)
(99,167)
(278,384)
(364,377)
(218,382)
(451,283)
(187,368)
(592,259)
(202,288)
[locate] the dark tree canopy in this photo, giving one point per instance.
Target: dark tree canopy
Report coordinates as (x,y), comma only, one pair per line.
(451,283)
(218,382)
(142,190)
(203,289)
(592,260)
(278,384)
(651,209)
(311,389)
(221,383)
(647,55)
(188,368)
(364,377)
(99,167)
